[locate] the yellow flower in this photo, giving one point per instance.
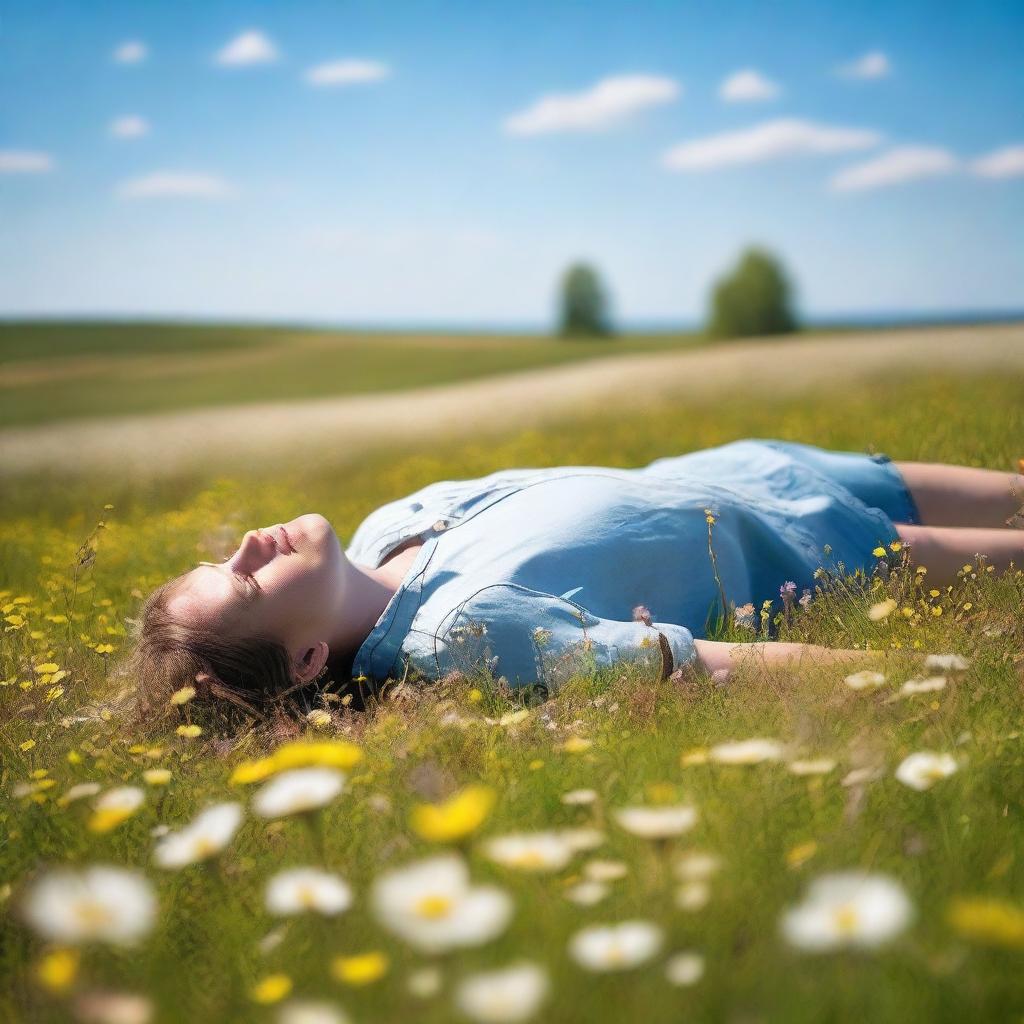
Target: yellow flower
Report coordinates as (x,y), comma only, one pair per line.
(535,765)
(881,610)
(47,667)
(57,969)
(476,696)
(189,731)
(319,718)
(27,745)
(104,648)
(801,854)
(698,755)
(895,546)
(990,921)
(271,989)
(363,969)
(455,818)
(157,776)
(298,754)
(74,757)
(577,745)
(878,552)
(184,695)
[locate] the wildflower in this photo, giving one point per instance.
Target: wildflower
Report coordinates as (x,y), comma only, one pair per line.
(878,552)
(743,616)
(582,838)
(271,989)
(208,834)
(183,696)
(318,718)
(107,904)
(922,770)
(881,610)
(455,818)
(58,969)
(432,905)
(867,679)
(577,745)
(657,822)
(806,598)
(684,968)
(615,947)
(189,732)
(78,792)
(847,909)
(797,856)
(579,797)
(605,870)
(115,806)
(359,970)
(298,889)
(587,894)
(929,685)
(821,766)
(307,1012)
(502,997)
(752,751)
(27,745)
(157,776)
(299,754)
(947,662)
(693,895)
(695,866)
(989,921)
(296,791)
(510,718)
(532,851)
(641,613)
(424,983)
(113,1008)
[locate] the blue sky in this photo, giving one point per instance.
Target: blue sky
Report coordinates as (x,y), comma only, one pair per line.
(448,160)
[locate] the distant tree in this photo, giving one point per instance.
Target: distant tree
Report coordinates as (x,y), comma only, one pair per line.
(584,304)
(755,298)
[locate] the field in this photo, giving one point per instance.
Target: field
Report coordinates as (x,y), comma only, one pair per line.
(215,952)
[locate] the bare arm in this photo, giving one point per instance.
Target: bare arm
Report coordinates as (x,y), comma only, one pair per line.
(718,654)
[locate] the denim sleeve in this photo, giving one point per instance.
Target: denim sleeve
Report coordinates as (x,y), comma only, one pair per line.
(529,637)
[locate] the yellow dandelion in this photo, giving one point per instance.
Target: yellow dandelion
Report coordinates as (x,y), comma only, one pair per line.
(157,776)
(698,755)
(48,666)
(895,545)
(535,765)
(577,745)
(990,921)
(455,818)
(362,969)
(271,989)
(878,552)
(183,696)
(27,745)
(800,854)
(104,648)
(476,696)
(298,754)
(190,732)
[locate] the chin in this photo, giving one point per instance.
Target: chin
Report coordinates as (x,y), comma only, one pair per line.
(315,532)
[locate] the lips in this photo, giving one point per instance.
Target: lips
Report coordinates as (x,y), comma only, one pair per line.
(281,539)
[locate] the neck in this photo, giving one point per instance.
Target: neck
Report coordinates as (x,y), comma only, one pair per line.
(365,594)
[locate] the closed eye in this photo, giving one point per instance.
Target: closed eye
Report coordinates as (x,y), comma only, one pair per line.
(246,584)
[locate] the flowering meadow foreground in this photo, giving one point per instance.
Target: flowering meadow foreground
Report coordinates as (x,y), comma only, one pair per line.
(788,845)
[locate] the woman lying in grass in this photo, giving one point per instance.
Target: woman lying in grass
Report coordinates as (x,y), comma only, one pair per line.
(535,573)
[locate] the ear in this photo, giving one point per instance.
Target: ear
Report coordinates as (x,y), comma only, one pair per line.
(309,662)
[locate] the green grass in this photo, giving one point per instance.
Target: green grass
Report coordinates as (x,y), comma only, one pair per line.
(63,371)
(962,838)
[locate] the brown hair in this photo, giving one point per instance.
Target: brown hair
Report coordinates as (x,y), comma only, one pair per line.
(251,674)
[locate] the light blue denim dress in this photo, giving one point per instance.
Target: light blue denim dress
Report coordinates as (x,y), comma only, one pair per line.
(534,574)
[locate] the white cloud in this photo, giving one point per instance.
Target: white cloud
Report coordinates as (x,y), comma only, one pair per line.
(347,72)
(1007,162)
(604,104)
(175,185)
(904,163)
(874,64)
(131,126)
(770,140)
(251,47)
(131,52)
(746,86)
(24,161)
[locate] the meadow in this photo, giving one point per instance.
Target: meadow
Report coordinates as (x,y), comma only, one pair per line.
(68,370)
(728,845)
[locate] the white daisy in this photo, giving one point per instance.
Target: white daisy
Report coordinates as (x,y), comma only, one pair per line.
(587,894)
(425,982)
(299,889)
(847,909)
(752,751)
(104,903)
(693,895)
(580,839)
(82,790)
(657,822)
(815,766)
(697,866)
(579,797)
(947,662)
(605,870)
(615,947)
(432,905)
(684,968)
(304,1012)
(867,679)
(530,851)
(930,684)
(503,997)
(208,834)
(922,770)
(298,790)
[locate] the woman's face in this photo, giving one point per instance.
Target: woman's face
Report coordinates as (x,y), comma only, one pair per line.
(284,583)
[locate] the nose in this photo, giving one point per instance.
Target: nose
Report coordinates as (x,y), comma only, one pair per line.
(255,551)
